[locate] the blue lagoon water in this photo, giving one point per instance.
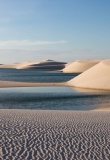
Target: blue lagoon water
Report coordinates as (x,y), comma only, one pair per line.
(48,98)
(34,75)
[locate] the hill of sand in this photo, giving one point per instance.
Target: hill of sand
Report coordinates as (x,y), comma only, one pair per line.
(46,64)
(79,66)
(97,77)
(8,65)
(25,65)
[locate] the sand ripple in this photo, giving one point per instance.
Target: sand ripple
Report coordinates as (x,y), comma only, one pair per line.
(54,135)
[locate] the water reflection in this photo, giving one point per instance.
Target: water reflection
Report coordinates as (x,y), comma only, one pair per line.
(34,75)
(53,98)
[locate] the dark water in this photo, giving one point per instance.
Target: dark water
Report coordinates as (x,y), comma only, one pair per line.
(48,98)
(52,98)
(34,75)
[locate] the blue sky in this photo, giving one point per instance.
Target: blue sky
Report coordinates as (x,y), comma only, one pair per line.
(66,30)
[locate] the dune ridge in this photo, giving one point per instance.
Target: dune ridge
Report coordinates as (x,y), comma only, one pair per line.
(8,65)
(97,77)
(80,66)
(45,64)
(35,134)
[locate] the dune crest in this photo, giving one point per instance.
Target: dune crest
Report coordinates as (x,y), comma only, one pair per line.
(45,64)
(80,66)
(97,77)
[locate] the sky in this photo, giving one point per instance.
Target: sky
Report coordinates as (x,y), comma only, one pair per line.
(62,30)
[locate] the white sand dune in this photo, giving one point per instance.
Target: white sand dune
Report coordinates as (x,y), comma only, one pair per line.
(68,64)
(97,77)
(17,65)
(56,135)
(8,65)
(80,66)
(25,64)
(46,64)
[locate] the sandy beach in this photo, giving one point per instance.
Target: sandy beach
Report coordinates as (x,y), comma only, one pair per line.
(8,84)
(64,135)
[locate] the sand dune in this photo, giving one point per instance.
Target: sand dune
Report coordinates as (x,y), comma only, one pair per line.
(56,135)
(46,64)
(97,77)
(79,66)
(25,64)
(68,64)
(8,65)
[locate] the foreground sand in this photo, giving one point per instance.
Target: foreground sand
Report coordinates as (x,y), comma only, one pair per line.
(55,135)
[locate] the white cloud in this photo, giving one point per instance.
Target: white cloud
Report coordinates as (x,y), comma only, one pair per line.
(13,44)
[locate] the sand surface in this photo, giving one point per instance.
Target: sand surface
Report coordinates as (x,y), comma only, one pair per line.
(97,77)
(54,135)
(79,66)
(105,108)
(6,84)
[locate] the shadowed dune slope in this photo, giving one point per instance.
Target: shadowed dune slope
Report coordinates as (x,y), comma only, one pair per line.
(97,77)
(46,64)
(80,66)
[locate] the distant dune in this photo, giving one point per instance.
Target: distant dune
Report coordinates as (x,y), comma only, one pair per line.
(79,66)
(25,65)
(97,77)
(8,65)
(46,64)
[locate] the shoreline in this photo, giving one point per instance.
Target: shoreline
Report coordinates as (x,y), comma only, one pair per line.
(9,84)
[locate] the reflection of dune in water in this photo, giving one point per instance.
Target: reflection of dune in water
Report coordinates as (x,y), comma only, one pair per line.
(52,98)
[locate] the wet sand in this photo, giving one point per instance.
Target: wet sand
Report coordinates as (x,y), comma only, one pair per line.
(8,84)
(62,135)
